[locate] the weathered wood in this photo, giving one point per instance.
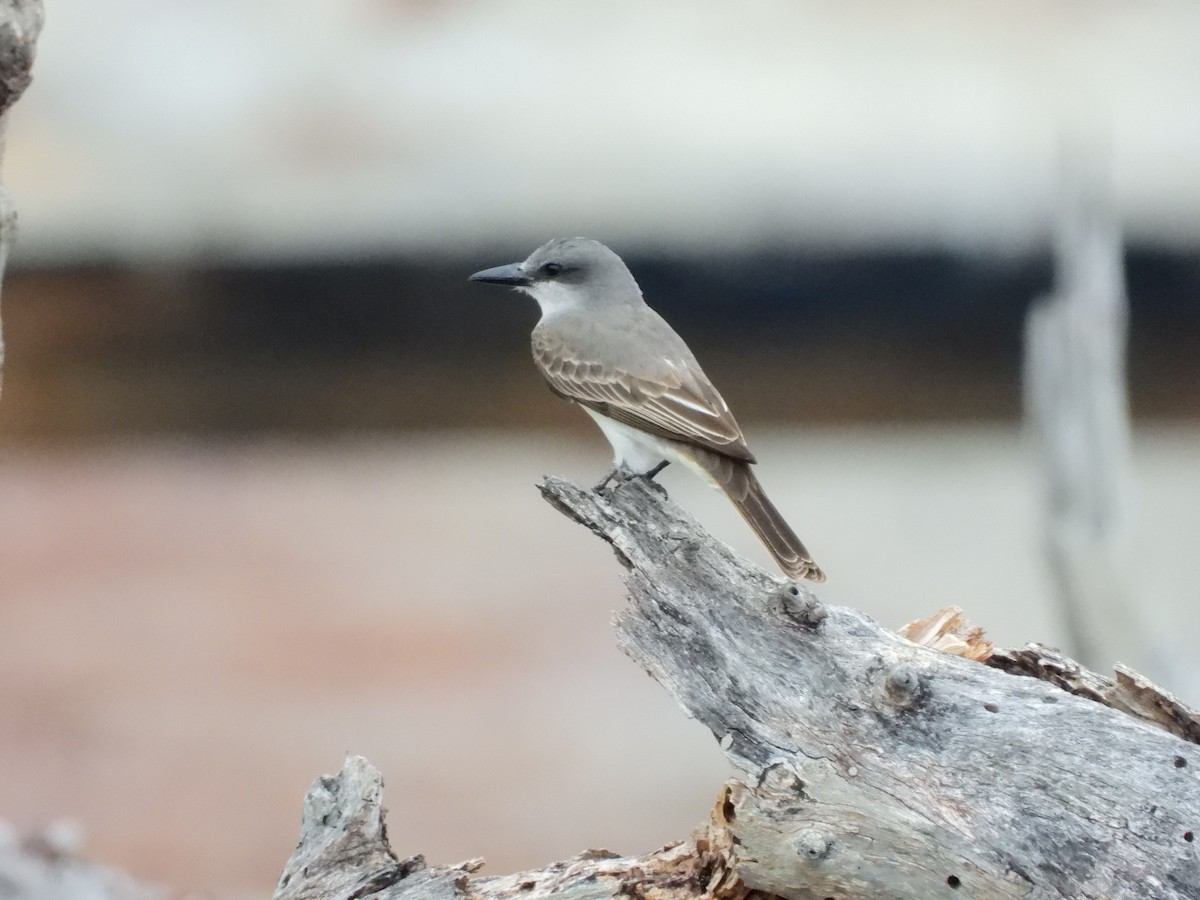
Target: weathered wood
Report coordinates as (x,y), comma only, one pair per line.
(873,767)
(948,630)
(869,766)
(20,25)
(343,852)
(1130,692)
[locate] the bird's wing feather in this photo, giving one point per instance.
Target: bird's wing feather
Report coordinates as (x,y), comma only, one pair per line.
(671,399)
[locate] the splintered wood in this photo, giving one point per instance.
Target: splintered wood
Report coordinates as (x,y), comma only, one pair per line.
(1131,692)
(948,630)
(344,852)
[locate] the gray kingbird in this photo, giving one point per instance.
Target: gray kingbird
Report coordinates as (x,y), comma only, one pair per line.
(599,345)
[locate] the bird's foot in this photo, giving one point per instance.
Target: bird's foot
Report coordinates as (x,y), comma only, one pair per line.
(649,477)
(620,474)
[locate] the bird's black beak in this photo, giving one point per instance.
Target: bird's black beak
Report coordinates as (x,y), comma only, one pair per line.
(510,274)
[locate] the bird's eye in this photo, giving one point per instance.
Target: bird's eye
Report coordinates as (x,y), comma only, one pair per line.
(551,269)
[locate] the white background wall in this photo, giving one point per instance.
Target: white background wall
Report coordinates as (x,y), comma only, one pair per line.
(283,128)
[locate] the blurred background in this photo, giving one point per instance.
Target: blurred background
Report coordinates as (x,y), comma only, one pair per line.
(267,461)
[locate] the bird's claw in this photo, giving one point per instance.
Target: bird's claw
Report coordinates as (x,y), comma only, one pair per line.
(654,485)
(619,475)
(649,478)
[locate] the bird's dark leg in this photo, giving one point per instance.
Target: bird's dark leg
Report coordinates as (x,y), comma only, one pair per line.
(649,476)
(620,474)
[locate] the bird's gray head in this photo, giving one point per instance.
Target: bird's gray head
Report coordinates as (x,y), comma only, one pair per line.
(566,272)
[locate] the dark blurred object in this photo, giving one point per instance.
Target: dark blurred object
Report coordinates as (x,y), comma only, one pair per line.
(386,345)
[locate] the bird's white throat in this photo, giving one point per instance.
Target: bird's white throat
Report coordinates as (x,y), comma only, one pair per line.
(553,296)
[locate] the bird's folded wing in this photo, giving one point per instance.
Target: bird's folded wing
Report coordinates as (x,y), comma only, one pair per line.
(671,399)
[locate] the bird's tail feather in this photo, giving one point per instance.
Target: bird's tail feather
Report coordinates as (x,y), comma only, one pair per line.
(739,484)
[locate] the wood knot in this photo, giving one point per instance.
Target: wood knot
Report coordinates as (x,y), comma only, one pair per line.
(812,845)
(781,783)
(800,605)
(904,688)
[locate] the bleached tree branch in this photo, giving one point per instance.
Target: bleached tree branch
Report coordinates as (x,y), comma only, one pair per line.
(868,766)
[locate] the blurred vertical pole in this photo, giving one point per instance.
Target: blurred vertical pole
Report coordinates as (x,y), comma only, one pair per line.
(20,25)
(1077,410)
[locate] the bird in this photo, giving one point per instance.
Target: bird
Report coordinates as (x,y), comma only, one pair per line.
(600,346)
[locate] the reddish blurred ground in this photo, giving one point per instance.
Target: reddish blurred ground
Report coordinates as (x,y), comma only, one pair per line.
(189,635)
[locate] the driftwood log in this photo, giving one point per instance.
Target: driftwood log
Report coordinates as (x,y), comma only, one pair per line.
(868,765)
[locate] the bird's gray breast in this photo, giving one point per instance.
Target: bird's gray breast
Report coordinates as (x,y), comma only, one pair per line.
(622,339)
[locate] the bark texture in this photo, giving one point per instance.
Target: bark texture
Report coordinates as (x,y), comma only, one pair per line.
(869,766)
(344,853)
